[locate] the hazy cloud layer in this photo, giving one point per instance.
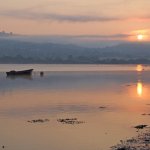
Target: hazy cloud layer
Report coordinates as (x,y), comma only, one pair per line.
(57,17)
(102,40)
(26,14)
(104,36)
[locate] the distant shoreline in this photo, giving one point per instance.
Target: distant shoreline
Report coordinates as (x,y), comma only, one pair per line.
(78,63)
(104,63)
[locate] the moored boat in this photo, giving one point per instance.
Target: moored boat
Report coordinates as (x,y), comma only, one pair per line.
(23,72)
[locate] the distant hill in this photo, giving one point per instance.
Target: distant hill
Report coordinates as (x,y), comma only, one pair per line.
(5,34)
(15,51)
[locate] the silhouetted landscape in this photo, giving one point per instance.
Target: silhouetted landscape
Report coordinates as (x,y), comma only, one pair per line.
(15,51)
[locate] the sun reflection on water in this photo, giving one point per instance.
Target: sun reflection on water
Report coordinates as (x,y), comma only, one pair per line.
(139,68)
(139,88)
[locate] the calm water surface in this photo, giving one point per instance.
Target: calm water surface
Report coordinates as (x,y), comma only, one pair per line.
(73,91)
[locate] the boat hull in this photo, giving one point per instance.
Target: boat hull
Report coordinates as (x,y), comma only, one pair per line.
(23,72)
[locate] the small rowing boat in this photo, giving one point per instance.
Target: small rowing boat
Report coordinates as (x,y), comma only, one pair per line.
(23,72)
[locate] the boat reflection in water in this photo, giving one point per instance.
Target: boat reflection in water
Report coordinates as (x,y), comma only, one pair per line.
(26,77)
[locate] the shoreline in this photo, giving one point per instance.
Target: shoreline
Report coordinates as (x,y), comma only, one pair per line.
(139,142)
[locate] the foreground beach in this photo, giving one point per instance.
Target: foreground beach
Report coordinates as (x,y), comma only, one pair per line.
(140,142)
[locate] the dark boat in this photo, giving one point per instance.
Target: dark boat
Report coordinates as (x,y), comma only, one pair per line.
(23,72)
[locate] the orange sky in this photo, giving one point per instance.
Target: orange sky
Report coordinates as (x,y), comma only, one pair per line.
(76,17)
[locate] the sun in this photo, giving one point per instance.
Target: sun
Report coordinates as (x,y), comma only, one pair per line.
(140,37)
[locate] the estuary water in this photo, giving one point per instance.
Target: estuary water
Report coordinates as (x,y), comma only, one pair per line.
(108,100)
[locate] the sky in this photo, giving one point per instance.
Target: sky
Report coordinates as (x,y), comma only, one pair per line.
(84,19)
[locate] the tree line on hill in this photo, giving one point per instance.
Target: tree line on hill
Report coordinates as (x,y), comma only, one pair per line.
(12,51)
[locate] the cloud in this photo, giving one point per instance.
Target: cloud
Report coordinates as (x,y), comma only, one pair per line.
(56,17)
(97,37)
(32,15)
(143,18)
(122,36)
